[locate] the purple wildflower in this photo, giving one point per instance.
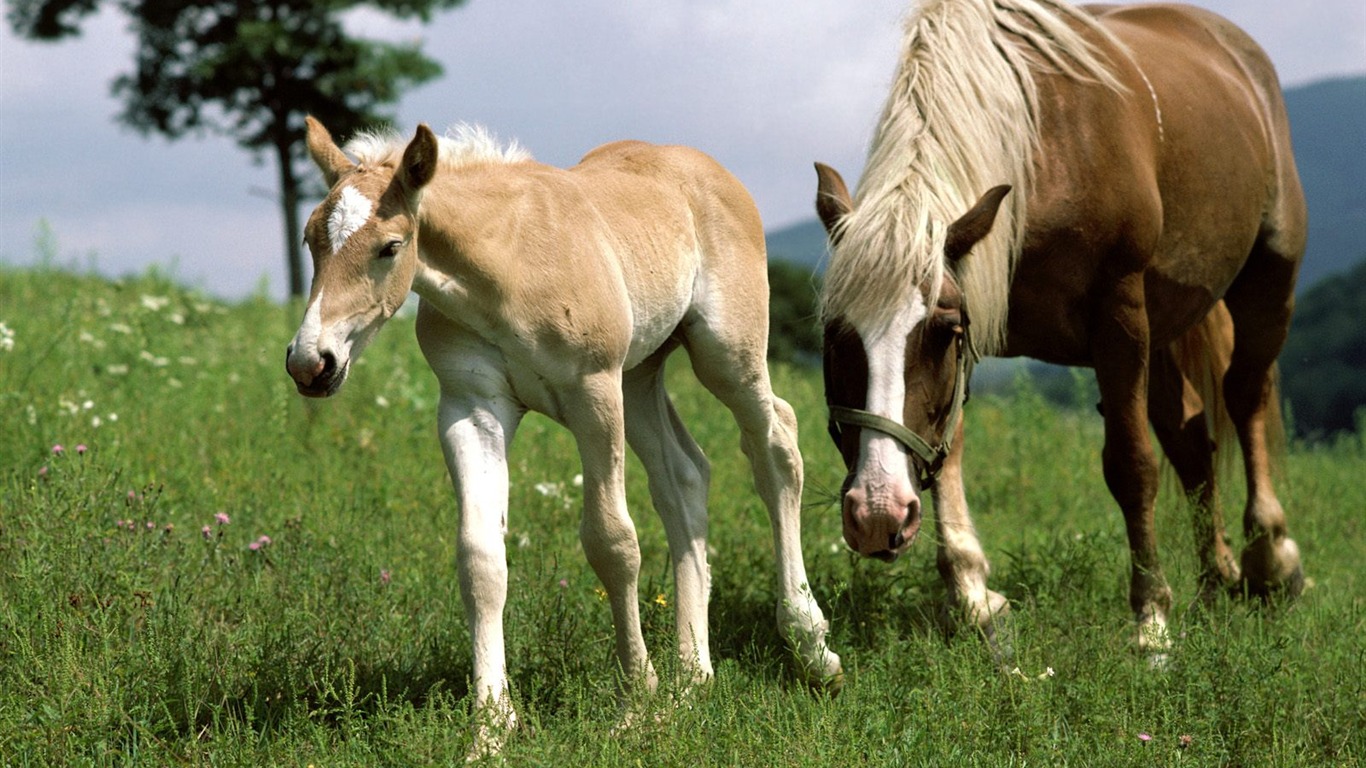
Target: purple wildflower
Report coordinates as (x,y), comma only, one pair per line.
(81,449)
(58,450)
(222,518)
(207,531)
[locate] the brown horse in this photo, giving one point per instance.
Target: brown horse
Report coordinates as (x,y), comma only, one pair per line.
(564,291)
(1103,187)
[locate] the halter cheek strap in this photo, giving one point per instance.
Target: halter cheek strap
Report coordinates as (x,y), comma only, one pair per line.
(931,457)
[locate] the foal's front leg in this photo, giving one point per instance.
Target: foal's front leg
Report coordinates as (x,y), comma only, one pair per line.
(475,434)
(596,416)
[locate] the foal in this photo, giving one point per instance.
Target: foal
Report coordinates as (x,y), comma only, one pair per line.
(564,291)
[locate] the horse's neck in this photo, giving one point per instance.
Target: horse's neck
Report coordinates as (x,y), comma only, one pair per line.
(457,272)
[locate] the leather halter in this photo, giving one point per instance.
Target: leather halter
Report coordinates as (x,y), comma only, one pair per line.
(931,457)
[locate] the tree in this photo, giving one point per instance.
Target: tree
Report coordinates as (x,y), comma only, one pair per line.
(252,70)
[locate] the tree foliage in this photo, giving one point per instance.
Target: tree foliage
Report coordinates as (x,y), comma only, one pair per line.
(792,333)
(1323,365)
(251,70)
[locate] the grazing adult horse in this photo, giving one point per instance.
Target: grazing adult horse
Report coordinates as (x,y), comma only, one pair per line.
(564,291)
(1091,187)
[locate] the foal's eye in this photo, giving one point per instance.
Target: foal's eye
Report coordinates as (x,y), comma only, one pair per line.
(390,249)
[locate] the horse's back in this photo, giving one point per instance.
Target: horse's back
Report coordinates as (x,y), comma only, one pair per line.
(1186,173)
(694,210)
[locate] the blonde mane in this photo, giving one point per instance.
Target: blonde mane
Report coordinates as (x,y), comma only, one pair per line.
(463,144)
(961,118)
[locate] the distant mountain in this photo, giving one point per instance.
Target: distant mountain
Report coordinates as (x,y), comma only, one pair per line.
(1328,128)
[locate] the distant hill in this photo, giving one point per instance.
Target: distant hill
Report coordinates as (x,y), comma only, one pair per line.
(1328,127)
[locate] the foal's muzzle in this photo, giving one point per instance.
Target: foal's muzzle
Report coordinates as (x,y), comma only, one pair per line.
(315,377)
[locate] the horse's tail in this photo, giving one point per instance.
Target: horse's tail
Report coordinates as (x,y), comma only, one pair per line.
(1203,355)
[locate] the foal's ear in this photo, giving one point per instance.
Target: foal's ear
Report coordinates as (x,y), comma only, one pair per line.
(974,225)
(328,156)
(832,198)
(419,160)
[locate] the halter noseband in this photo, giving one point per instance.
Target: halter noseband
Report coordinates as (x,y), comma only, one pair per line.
(931,456)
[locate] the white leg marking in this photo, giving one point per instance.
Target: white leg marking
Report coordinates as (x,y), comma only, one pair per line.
(474,436)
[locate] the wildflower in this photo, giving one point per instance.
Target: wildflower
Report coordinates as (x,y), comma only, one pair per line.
(6,338)
(548,489)
(578,481)
(381,401)
(116,369)
(169,527)
(262,541)
(151,526)
(81,449)
(121,328)
(254,546)
(384,576)
(1185,740)
(600,592)
(660,601)
(564,583)
(96,422)
(42,471)
(1144,737)
(154,303)
(58,450)
(207,531)
(222,518)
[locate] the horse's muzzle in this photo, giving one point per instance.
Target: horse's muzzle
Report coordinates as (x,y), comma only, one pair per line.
(881,528)
(315,377)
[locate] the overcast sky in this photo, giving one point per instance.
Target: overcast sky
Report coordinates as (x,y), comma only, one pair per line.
(765,86)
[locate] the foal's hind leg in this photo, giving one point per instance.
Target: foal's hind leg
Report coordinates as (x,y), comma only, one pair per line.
(1260,302)
(737,374)
(679,475)
(1178,416)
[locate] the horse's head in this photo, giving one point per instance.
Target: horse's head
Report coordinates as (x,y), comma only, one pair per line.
(363,238)
(895,388)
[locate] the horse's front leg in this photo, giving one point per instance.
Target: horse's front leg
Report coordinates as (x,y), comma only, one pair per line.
(475,433)
(596,415)
(962,564)
(1120,346)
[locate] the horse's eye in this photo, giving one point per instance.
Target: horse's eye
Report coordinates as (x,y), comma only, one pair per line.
(390,249)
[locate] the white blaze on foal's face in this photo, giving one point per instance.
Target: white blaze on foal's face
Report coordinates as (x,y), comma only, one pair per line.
(363,239)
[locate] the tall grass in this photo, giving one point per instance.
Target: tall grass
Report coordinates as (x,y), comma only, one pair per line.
(144,619)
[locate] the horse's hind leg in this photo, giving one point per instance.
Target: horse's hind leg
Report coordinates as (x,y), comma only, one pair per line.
(736,372)
(1178,416)
(1260,301)
(679,475)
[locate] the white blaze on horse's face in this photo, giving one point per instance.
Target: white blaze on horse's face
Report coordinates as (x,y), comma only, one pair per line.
(364,261)
(882,500)
(363,238)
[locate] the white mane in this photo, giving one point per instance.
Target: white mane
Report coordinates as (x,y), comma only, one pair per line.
(961,118)
(463,144)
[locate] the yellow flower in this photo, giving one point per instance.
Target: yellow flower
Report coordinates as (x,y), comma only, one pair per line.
(660,601)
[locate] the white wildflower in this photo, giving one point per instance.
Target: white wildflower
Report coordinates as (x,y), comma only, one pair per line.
(177,318)
(578,481)
(158,362)
(155,303)
(120,328)
(117,369)
(381,401)
(549,489)
(96,422)
(6,337)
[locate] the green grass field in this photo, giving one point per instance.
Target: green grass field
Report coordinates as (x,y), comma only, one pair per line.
(213,571)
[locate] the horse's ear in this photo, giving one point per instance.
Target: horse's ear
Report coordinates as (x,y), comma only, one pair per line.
(419,160)
(974,225)
(832,198)
(328,156)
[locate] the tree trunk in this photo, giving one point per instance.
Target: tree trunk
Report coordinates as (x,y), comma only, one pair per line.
(289,202)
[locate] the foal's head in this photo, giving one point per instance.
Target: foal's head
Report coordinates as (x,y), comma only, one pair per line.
(363,239)
(895,385)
